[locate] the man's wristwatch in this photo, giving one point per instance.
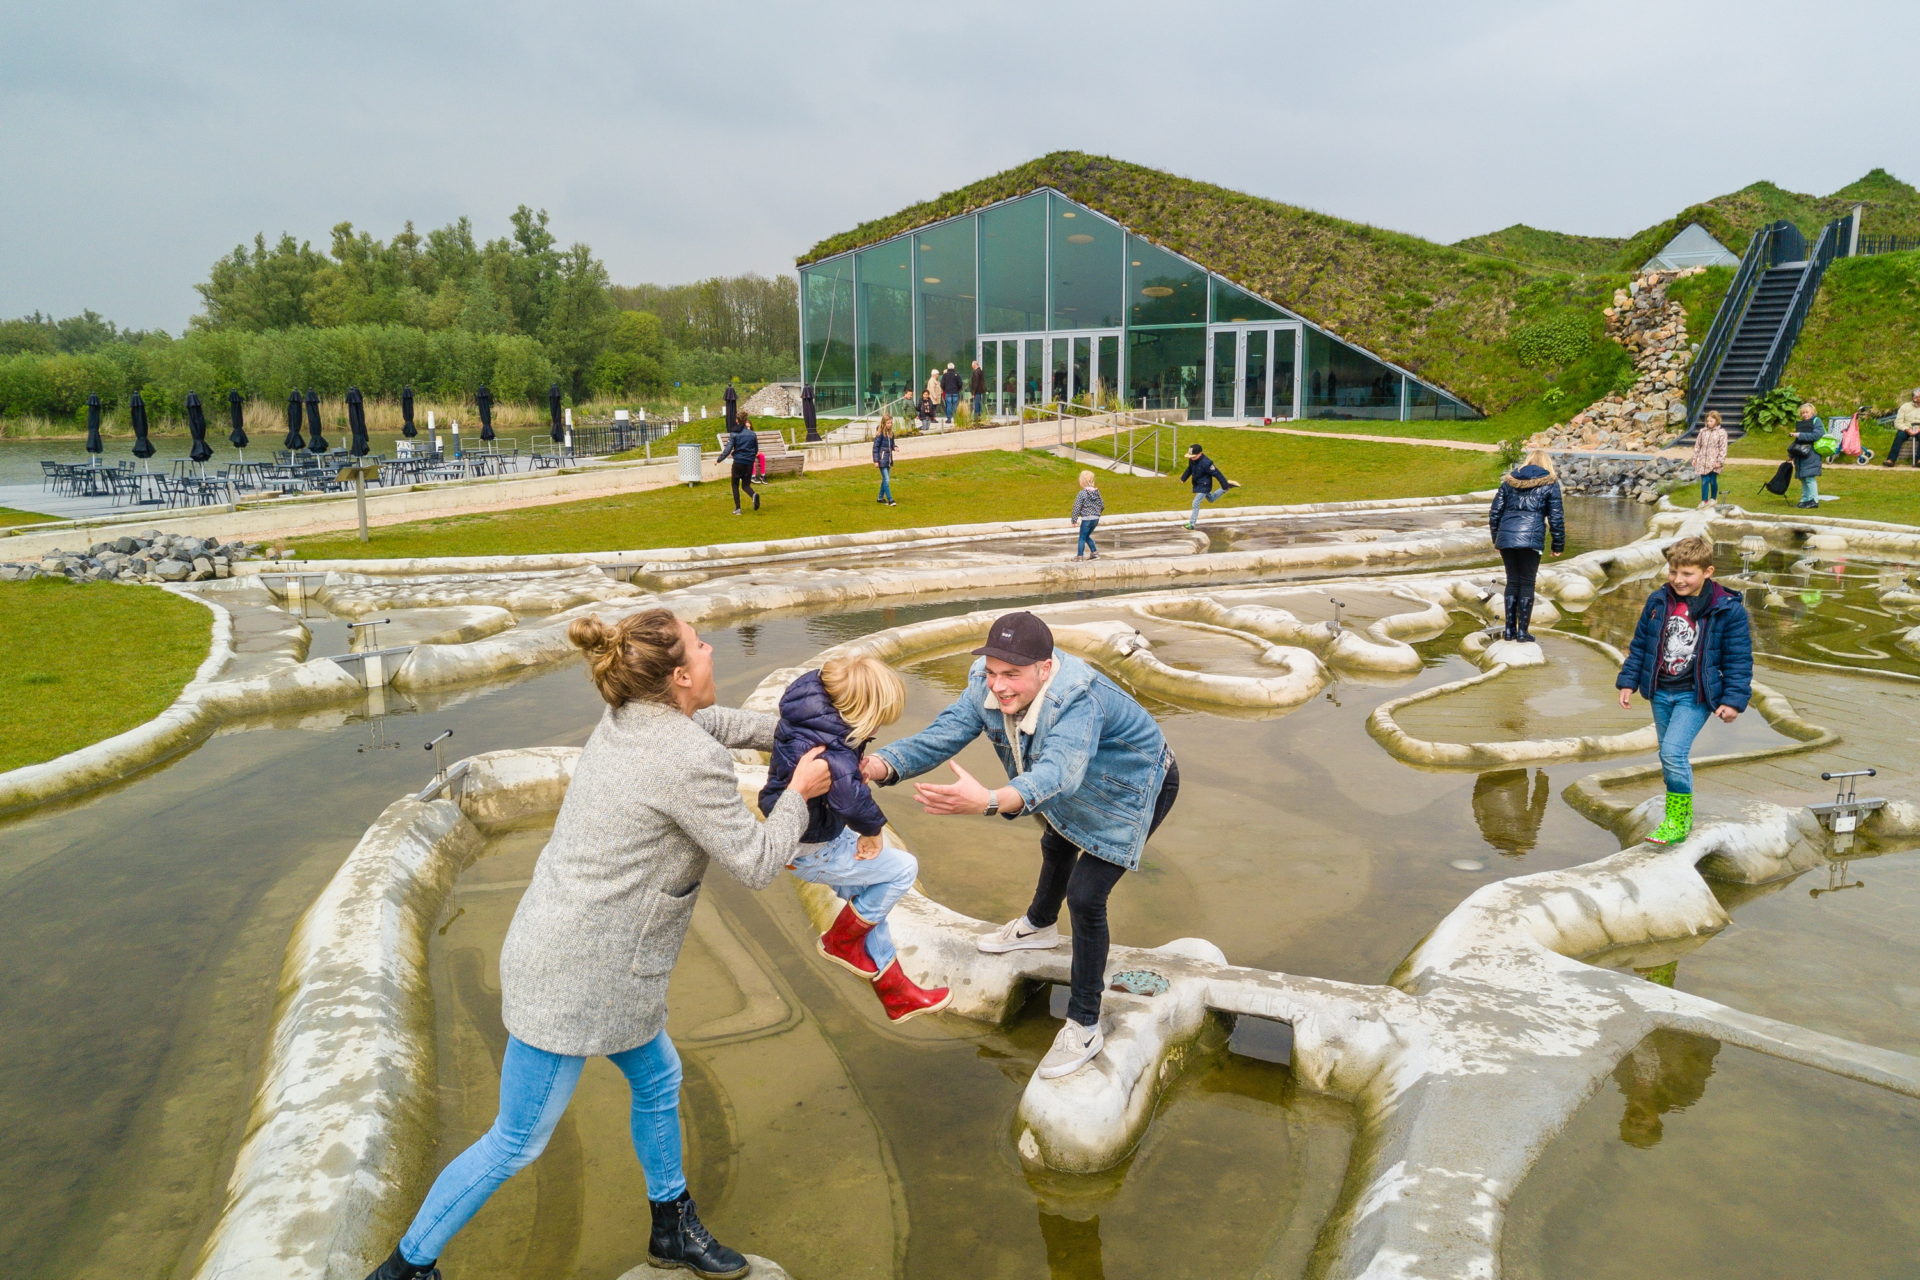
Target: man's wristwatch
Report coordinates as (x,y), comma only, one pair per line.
(993,804)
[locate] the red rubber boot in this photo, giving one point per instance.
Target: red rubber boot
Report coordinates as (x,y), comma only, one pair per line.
(902,999)
(845,943)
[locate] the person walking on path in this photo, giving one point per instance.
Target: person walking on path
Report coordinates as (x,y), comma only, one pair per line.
(950,391)
(1906,431)
(839,708)
(586,962)
(977,387)
(1806,458)
(1525,508)
(1710,457)
(1087,761)
(1087,510)
(1692,658)
(883,458)
(743,446)
(1202,473)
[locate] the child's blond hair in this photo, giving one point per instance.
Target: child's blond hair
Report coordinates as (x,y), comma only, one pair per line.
(865,691)
(1693,551)
(1086,479)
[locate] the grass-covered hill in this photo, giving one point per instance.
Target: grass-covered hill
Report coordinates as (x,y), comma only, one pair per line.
(1491,331)
(1861,343)
(1892,209)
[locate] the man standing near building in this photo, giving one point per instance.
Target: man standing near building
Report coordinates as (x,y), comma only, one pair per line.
(950,390)
(743,446)
(1087,761)
(977,385)
(1906,431)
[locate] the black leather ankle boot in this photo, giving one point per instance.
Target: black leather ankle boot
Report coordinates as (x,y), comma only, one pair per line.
(398,1268)
(1522,619)
(680,1239)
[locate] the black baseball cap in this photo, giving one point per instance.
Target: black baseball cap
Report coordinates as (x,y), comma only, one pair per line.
(1019,638)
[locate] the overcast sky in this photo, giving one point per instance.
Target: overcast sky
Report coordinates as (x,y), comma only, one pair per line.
(140,141)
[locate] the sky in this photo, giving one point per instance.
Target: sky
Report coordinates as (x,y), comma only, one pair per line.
(140,141)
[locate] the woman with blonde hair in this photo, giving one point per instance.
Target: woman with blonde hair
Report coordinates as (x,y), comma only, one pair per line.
(1525,508)
(840,708)
(584,969)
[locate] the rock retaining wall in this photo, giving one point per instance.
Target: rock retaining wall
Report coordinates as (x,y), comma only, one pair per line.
(156,557)
(1653,410)
(1635,476)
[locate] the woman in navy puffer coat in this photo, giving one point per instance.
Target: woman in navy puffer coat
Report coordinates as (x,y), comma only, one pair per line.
(1525,510)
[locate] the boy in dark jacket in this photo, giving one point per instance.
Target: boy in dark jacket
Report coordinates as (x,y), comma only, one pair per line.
(1692,658)
(743,446)
(840,707)
(1202,472)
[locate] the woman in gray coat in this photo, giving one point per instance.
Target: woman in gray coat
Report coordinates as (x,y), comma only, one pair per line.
(584,969)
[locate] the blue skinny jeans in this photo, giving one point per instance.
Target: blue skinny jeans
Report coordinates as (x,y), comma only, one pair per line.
(886,484)
(1709,486)
(535,1087)
(1678,717)
(1085,545)
(872,885)
(1209,495)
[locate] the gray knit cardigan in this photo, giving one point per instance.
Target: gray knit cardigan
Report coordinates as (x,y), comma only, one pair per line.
(585,965)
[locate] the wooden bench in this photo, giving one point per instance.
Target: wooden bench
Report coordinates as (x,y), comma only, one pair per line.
(781,460)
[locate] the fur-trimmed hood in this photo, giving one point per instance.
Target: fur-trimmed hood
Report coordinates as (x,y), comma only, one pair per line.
(1529,477)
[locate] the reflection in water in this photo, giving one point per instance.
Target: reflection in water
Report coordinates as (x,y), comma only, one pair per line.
(1667,1071)
(1508,812)
(1073,1246)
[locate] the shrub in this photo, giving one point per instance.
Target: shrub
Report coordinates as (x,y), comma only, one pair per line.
(1553,343)
(1771,410)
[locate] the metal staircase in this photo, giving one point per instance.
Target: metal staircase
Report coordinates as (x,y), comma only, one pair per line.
(1753,333)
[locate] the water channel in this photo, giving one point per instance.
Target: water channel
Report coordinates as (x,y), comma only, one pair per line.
(140,930)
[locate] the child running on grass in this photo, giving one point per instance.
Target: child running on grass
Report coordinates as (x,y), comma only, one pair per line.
(1692,658)
(1087,510)
(840,707)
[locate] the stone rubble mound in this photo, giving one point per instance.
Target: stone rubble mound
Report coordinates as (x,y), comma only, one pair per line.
(156,557)
(1640,478)
(775,400)
(1650,413)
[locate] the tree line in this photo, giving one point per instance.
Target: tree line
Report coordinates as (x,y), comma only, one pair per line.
(440,312)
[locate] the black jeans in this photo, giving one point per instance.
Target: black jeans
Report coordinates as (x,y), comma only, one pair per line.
(742,476)
(1083,882)
(1522,564)
(1902,440)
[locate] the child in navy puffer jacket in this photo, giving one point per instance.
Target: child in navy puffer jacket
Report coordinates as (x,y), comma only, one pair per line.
(840,707)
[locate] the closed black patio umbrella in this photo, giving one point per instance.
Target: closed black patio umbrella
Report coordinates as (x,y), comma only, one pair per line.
(294,441)
(733,407)
(806,412)
(556,426)
(197,427)
(94,446)
(483,400)
(316,443)
(236,418)
(357,424)
(406,413)
(137,414)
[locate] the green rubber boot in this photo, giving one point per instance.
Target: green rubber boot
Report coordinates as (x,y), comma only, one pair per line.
(1679,820)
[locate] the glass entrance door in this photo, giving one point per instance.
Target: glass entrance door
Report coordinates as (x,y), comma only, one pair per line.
(1250,372)
(1025,370)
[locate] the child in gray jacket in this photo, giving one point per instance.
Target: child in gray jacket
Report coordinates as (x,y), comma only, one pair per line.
(1087,510)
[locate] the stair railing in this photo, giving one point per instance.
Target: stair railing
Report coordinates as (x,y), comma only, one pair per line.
(1713,348)
(1830,245)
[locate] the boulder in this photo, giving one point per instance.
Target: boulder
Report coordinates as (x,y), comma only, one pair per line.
(173,570)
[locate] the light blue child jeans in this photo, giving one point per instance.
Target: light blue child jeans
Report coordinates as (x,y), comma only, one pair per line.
(872,885)
(1210,495)
(535,1087)
(1678,718)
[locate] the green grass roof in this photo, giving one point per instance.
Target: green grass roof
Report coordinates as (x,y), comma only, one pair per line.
(1447,314)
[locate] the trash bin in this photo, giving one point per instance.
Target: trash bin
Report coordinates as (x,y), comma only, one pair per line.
(689,464)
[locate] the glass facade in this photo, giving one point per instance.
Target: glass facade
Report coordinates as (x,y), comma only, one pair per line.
(1058,302)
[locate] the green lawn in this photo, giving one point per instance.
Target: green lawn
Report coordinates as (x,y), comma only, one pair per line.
(10,517)
(1865,493)
(959,489)
(84,662)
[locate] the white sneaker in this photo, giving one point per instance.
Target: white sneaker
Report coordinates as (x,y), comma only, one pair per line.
(1018,935)
(1073,1049)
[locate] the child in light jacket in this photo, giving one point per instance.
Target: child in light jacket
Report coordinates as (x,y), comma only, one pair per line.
(1710,456)
(1087,510)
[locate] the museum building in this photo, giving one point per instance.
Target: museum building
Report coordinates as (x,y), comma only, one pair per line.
(1060,302)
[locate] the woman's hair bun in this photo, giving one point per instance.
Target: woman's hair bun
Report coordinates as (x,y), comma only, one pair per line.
(592,635)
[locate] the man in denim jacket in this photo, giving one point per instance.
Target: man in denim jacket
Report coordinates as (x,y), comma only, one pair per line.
(1084,759)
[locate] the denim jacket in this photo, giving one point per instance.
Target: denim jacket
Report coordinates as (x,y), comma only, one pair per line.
(1095,760)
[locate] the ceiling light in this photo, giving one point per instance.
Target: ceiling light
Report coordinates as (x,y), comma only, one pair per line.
(929,279)
(1136,262)
(1157,291)
(1080,237)
(1068,213)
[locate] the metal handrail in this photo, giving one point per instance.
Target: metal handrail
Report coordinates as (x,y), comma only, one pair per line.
(1713,348)
(1825,250)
